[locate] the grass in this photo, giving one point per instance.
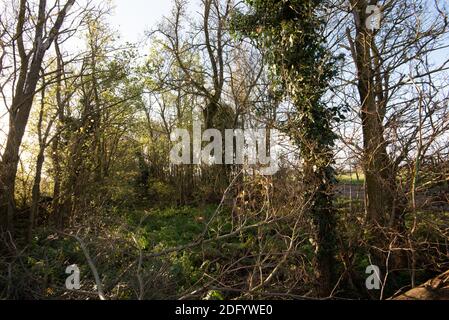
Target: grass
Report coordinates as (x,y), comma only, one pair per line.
(172,226)
(347,178)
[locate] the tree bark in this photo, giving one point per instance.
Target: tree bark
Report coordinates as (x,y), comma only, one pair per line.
(381,194)
(23,101)
(36,193)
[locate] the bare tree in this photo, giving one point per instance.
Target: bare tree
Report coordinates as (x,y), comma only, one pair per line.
(27,66)
(391,65)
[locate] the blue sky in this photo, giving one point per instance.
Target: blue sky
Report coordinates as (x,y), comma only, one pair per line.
(133,17)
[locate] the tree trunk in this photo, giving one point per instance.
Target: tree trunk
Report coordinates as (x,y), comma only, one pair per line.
(10,160)
(36,193)
(319,195)
(23,100)
(381,187)
(56,205)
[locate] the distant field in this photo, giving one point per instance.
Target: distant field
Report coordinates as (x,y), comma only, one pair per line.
(347,178)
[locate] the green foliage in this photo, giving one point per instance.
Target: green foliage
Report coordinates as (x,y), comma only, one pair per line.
(172,226)
(161,192)
(214,295)
(291,36)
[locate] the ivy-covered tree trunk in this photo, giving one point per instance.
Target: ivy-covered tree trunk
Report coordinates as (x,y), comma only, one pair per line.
(318,183)
(290,35)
